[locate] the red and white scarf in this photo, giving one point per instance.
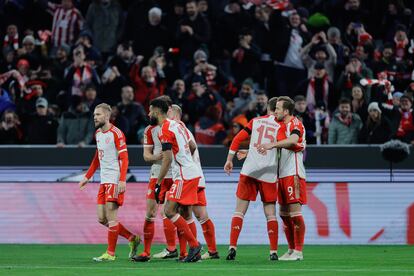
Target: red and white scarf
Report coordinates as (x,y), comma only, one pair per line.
(13,73)
(81,77)
(14,41)
(400,48)
(310,94)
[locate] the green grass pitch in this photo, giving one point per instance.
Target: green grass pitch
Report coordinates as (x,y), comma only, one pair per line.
(251,260)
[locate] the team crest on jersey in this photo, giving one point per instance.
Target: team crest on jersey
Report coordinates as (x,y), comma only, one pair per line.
(108,140)
(149,191)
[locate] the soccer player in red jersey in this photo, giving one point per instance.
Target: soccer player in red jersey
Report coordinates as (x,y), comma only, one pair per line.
(153,154)
(292,183)
(112,157)
(258,175)
(199,209)
(177,150)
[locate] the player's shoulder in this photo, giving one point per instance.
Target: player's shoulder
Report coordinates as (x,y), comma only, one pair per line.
(296,121)
(150,129)
(117,132)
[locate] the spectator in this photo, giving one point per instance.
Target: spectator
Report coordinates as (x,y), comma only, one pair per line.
(104,20)
(8,61)
(401,43)
(61,62)
(35,90)
(323,52)
(209,130)
(342,52)
(359,105)
(301,111)
(149,85)
(246,58)
(351,13)
(199,100)
(151,35)
(377,129)
(30,52)
(345,125)
(405,130)
(172,19)
(120,122)
(238,123)
(11,39)
(80,74)
(10,132)
(192,31)
(136,17)
(319,90)
(6,102)
(258,107)
(246,95)
(112,83)
(92,54)
(288,35)
(178,94)
(354,71)
(134,113)
(67,23)
(41,127)
(91,98)
(124,59)
(76,125)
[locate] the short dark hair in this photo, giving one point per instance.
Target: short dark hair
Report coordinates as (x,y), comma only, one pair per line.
(288,104)
(345,101)
(167,99)
(299,98)
(161,104)
(271,104)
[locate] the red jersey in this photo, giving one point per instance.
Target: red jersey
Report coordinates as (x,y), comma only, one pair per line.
(173,135)
(291,160)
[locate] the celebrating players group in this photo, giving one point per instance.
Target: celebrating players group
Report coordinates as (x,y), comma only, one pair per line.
(273,167)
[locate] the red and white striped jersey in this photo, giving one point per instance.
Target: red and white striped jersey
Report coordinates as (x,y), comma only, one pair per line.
(183,165)
(66,25)
(291,160)
(110,144)
(262,130)
(151,139)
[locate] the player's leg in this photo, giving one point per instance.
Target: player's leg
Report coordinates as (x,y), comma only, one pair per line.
(272,228)
(186,213)
(295,211)
(268,194)
(236,226)
(200,212)
(170,233)
(288,229)
(171,211)
(100,211)
(149,230)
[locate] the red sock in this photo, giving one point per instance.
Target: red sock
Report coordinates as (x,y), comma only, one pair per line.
(183,243)
(182,225)
(236,227)
(112,238)
(273,232)
(209,235)
(169,231)
(299,230)
(148,236)
(193,227)
(125,233)
(289,233)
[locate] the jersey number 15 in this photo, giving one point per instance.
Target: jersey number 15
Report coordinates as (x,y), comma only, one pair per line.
(265,132)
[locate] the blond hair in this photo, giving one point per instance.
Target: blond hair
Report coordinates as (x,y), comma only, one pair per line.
(105,107)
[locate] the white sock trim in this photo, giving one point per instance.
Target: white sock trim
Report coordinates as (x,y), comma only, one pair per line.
(175,218)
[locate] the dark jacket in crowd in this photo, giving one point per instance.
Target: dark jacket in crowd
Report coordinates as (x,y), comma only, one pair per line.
(41,130)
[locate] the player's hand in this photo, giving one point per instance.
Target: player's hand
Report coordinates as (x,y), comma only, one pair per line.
(158,157)
(241,154)
(228,167)
(121,186)
(157,191)
(262,149)
(82,183)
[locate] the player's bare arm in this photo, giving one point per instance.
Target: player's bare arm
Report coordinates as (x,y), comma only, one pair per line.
(149,156)
(192,146)
(165,166)
(228,167)
(287,143)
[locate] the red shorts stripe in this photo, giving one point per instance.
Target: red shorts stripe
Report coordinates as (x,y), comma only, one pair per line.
(184,192)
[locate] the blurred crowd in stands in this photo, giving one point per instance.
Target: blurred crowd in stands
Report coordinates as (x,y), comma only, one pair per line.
(347,63)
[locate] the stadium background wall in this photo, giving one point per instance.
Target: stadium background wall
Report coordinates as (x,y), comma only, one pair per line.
(337,213)
(344,157)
